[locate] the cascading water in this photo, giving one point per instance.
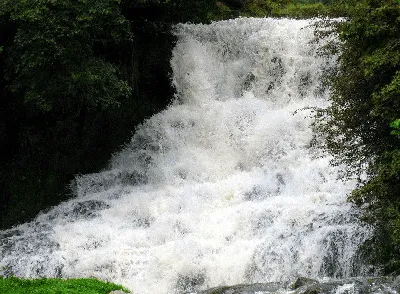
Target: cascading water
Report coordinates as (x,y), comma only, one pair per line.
(222,187)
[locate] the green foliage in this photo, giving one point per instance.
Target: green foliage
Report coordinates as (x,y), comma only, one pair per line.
(173,11)
(190,11)
(53,63)
(281,8)
(365,101)
(222,12)
(302,10)
(258,8)
(64,97)
(396,126)
(295,8)
(57,286)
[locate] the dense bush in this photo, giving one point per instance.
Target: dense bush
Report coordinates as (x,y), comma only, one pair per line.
(71,85)
(365,102)
(286,8)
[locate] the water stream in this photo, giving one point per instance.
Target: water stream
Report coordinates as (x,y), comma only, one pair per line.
(223,187)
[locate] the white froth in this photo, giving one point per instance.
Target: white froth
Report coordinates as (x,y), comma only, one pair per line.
(222,187)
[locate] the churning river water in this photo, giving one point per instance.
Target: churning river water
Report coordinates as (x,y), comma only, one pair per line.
(225,186)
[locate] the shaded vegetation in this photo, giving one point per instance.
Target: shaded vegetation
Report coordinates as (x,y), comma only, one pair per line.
(61,87)
(360,125)
(285,8)
(57,286)
(75,79)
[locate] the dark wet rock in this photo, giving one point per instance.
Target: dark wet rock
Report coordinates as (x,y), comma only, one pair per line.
(250,78)
(87,209)
(301,281)
(373,285)
(132,178)
(189,283)
(101,182)
(245,289)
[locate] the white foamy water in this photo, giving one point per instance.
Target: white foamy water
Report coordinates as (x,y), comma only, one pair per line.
(222,187)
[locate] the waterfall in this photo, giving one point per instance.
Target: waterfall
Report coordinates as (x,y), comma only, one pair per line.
(223,187)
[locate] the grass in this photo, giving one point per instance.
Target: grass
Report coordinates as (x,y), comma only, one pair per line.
(56,286)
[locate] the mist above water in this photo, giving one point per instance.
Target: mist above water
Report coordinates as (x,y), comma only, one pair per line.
(223,187)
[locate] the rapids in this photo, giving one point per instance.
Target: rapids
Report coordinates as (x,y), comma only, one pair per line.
(225,186)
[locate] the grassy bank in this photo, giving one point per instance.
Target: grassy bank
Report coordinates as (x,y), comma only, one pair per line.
(57,286)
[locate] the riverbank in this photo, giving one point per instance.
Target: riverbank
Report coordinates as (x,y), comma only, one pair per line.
(60,286)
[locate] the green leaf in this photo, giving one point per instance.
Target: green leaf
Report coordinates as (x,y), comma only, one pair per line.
(395,124)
